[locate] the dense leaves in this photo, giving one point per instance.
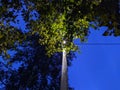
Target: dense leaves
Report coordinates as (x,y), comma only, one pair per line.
(10,36)
(58,20)
(70,19)
(57,24)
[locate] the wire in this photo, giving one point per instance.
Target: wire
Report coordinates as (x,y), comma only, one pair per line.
(96,44)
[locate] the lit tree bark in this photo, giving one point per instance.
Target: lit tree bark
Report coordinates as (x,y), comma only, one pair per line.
(64,78)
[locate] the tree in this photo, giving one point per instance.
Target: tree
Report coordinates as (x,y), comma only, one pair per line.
(37,71)
(64,20)
(10,36)
(68,19)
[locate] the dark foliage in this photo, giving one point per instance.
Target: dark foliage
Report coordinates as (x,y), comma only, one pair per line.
(37,71)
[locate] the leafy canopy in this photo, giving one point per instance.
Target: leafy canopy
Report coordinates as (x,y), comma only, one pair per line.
(56,20)
(57,24)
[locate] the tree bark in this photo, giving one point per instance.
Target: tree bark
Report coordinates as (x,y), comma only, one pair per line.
(64,78)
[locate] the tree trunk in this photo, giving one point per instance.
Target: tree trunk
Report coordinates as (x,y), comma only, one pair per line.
(64,79)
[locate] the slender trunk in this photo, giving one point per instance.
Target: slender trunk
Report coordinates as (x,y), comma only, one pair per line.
(64,80)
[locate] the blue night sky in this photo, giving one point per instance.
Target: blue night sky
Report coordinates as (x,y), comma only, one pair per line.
(97,67)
